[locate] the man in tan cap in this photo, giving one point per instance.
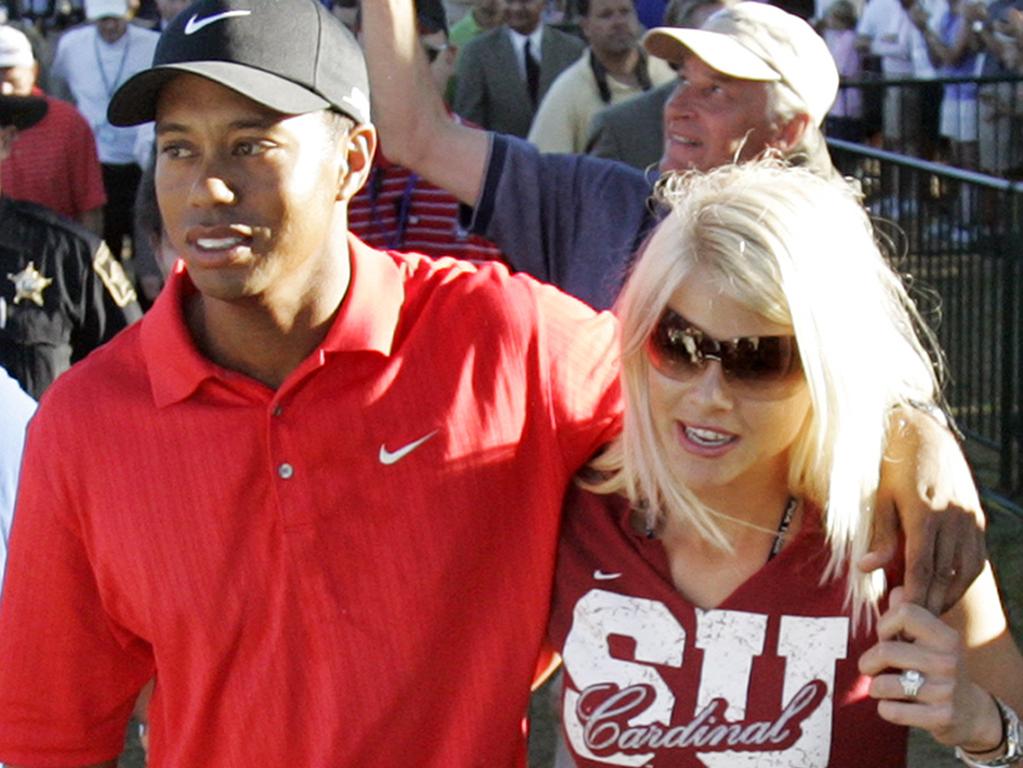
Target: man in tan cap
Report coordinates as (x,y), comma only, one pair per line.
(754,77)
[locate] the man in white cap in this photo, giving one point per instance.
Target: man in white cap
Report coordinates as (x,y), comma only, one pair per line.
(54,162)
(753,78)
(92,61)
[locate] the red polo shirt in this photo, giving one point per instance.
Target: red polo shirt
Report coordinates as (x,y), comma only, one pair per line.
(353,570)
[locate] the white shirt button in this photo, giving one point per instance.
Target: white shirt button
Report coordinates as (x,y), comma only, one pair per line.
(285,471)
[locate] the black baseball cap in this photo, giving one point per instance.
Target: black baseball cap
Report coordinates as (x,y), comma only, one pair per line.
(292,56)
(22,111)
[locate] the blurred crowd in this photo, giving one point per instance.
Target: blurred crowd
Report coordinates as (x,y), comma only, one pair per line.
(936,79)
(950,70)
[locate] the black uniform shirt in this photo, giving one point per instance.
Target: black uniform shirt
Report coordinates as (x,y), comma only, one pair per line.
(62,294)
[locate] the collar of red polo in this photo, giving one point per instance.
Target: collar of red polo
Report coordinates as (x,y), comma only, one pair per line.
(366,322)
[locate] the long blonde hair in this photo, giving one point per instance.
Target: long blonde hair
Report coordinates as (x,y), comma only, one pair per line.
(798,250)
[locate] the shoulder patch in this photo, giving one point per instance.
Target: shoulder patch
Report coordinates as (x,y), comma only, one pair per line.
(112,274)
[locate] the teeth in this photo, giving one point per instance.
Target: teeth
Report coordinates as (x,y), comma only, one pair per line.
(707,437)
(217,243)
(683,140)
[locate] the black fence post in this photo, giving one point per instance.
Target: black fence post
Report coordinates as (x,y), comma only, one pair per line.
(1012,367)
(972,261)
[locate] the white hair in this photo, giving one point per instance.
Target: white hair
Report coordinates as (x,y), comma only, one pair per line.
(811,148)
(800,251)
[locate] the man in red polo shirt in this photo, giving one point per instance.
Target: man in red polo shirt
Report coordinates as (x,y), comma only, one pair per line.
(315,491)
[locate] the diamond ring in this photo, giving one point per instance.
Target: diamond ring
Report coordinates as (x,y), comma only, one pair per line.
(911,680)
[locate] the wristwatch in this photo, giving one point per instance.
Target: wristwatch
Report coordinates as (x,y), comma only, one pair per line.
(1012,738)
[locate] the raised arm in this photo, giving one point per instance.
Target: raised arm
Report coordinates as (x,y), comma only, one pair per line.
(414,126)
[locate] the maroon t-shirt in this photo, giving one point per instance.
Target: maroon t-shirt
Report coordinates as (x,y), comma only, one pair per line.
(768,678)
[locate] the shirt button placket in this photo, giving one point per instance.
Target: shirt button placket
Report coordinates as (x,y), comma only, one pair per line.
(284,470)
(284,458)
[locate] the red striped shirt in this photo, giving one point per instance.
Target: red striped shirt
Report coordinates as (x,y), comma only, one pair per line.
(398,210)
(54,163)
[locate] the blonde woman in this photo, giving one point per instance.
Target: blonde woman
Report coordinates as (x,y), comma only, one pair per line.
(708,606)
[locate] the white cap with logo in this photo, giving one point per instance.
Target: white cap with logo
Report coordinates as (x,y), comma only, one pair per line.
(101,9)
(15,49)
(755,41)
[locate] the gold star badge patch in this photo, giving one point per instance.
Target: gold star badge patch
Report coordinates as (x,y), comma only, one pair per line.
(29,284)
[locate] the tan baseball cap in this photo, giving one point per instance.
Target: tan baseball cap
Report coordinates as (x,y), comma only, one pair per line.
(755,41)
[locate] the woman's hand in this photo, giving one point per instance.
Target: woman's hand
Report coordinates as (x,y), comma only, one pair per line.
(956,711)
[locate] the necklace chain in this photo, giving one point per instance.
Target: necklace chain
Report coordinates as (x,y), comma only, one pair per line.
(783,527)
(779,536)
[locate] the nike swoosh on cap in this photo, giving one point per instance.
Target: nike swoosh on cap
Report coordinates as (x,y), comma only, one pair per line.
(599,575)
(194,24)
(392,457)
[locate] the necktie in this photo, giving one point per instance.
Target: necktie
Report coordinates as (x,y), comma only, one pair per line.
(532,73)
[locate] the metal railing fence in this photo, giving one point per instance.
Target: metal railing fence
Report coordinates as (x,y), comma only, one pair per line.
(960,236)
(970,122)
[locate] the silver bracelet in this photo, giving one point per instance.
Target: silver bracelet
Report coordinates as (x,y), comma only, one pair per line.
(1012,740)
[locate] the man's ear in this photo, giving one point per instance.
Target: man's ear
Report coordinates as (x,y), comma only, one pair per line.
(361,144)
(791,133)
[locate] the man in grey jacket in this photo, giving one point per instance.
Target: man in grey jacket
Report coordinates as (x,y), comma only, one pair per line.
(503,74)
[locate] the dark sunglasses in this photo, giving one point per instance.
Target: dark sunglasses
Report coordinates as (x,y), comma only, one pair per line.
(680,350)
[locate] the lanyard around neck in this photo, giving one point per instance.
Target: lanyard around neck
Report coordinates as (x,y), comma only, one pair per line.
(109,87)
(402,206)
